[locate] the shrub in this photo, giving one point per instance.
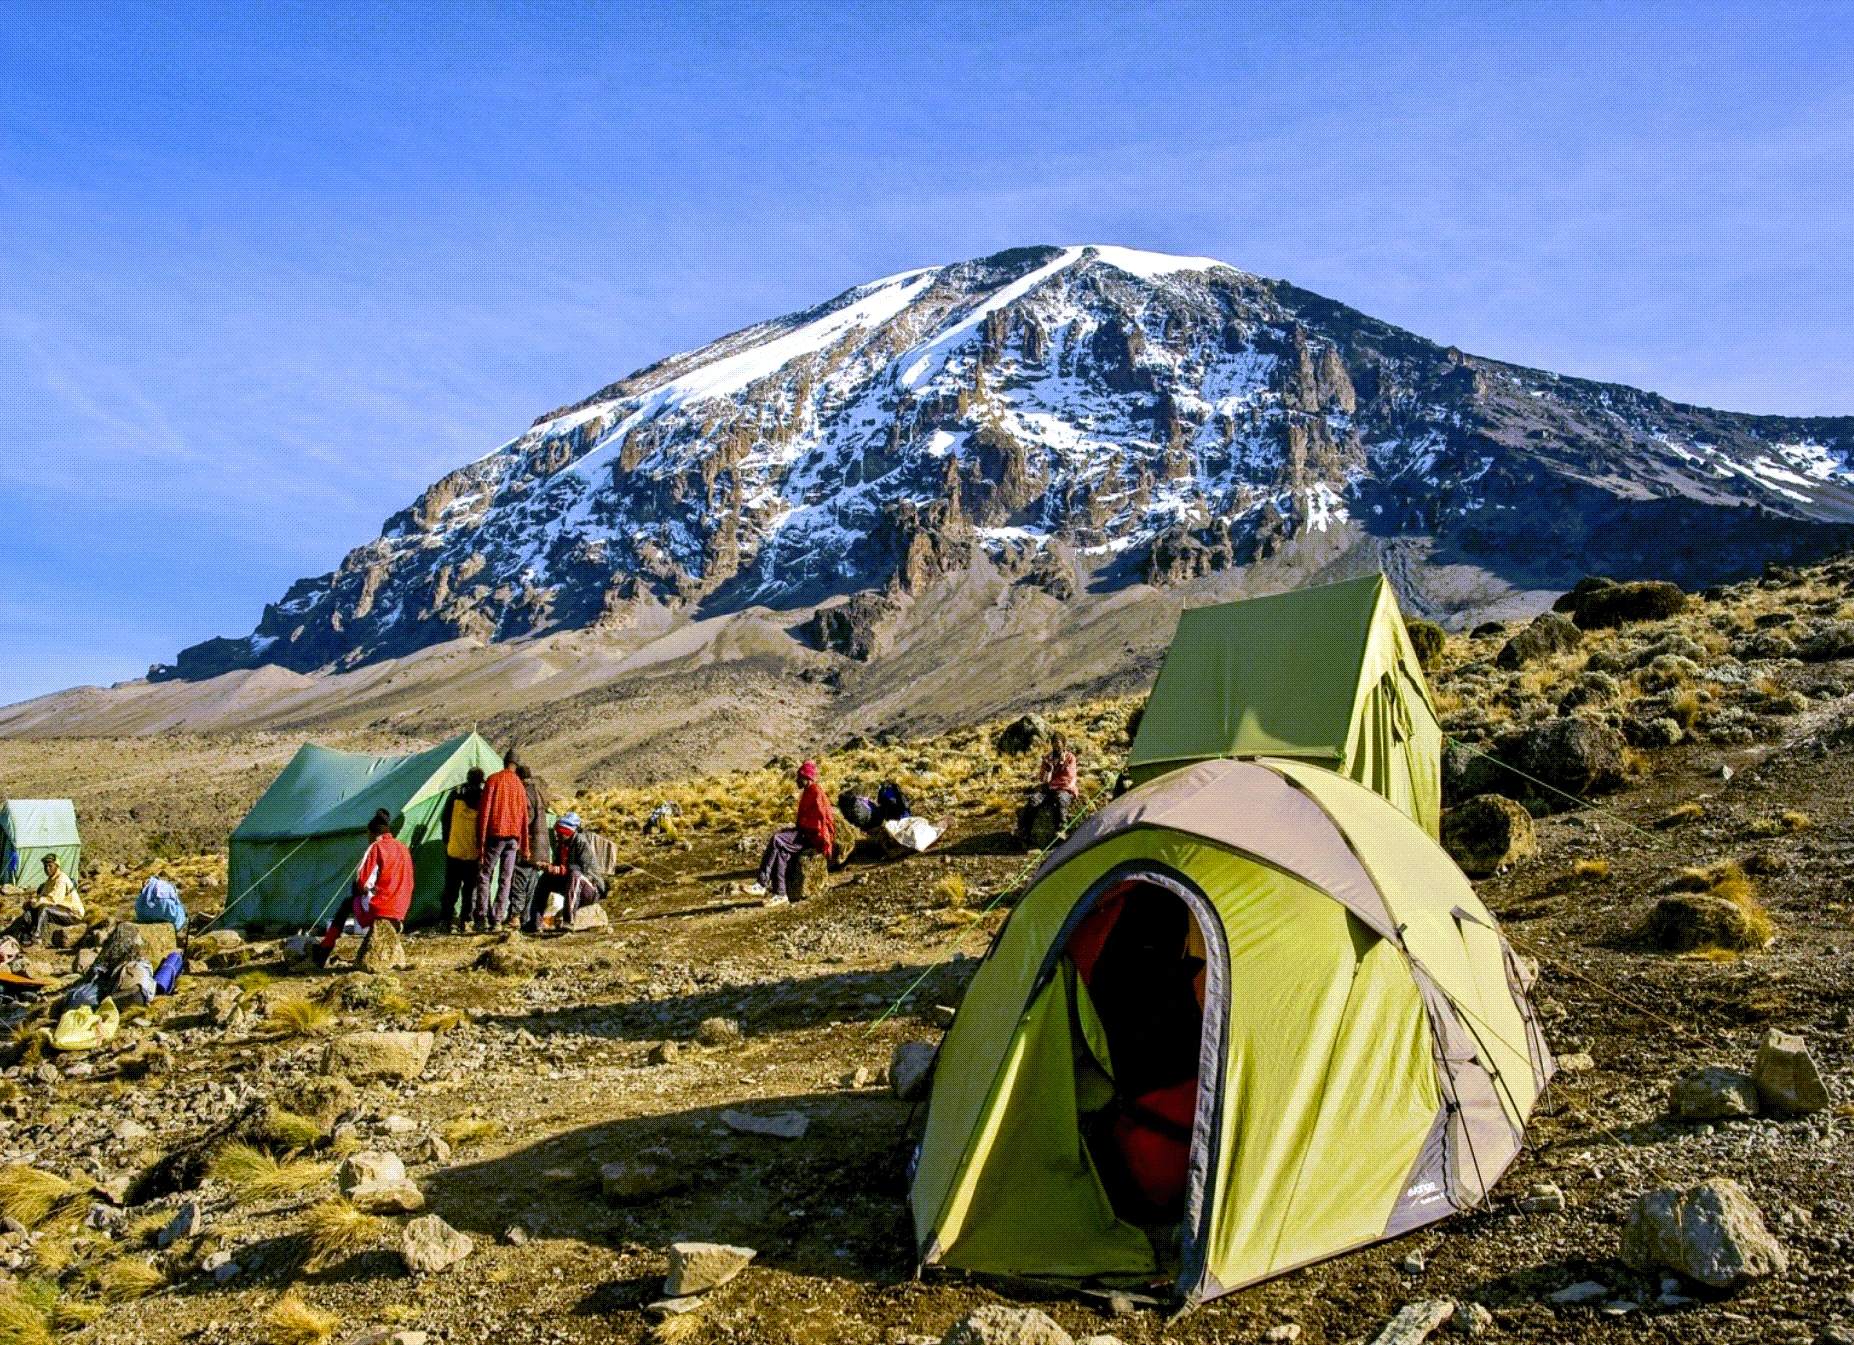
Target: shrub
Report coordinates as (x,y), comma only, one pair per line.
(299,1017)
(128,1278)
(1429,640)
(290,1321)
(950,891)
(1590,868)
(469,1130)
(282,1129)
(336,1228)
(1691,811)
(255,1175)
(29,1194)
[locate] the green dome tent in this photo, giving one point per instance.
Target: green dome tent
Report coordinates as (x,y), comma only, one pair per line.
(1324,674)
(296,850)
(31,829)
(1356,1054)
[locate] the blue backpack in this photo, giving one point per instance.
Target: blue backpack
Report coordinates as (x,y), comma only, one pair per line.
(159,904)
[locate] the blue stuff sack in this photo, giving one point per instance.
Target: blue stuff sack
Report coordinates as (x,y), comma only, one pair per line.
(168,973)
(158,903)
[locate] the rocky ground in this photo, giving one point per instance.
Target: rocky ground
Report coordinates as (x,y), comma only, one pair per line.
(652,1042)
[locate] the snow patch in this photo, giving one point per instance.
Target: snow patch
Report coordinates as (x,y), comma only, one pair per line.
(1152,265)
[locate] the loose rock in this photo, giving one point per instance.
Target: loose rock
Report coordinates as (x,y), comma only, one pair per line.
(1714,1093)
(910,1069)
(1711,1232)
(370,1166)
(995,1324)
(1414,1321)
(786,1126)
(363,1056)
(718,1032)
(1488,833)
(1786,1076)
(395,1196)
(630,1180)
(430,1245)
(1686,921)
(383,950)
(696,1267)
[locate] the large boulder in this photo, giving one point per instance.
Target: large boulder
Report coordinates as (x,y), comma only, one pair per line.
(1620,604)
(1545,635)
(130,942)
(383,949)
(1711,1233)
(398,1196)
(910,1069)
(696,1267)
(1786,1077)
(1487,833)
(323,1099)
(588,918)
(808,877)
(1022,735)
(430,1245)
(1572,755)
(1713,1094)
(361,1057)
(1686,921)
(995,1324)
(1468,770)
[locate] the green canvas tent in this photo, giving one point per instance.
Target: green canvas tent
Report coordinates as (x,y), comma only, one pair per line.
(1357,1056)
(31,829)
(296,850)
(1324,674)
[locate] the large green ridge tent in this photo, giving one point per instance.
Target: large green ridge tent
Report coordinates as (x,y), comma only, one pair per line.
(296,850)
(31,829)
(1324,674)
(1359,1050)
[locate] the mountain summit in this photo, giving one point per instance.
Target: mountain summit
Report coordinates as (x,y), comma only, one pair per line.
(1082,419)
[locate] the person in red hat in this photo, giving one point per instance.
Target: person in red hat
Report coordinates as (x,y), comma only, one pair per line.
(816,830)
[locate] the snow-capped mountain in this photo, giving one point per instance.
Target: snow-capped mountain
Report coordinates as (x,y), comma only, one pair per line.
(1087,417)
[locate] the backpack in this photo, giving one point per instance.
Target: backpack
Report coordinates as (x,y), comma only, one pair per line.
(602,853)
(861,812)
(891,803)
(159,904)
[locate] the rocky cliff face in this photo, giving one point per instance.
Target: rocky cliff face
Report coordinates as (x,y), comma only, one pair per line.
(1089,417)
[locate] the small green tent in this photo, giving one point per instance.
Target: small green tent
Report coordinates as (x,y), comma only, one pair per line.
(31,829)
(295,852)
(1324,674)
(1350,1047)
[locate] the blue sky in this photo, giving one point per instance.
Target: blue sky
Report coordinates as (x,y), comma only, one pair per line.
(267,270)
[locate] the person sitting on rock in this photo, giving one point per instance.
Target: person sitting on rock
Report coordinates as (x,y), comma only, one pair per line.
(55,903)
(1047,810)
(816,830)
(382,888)
(573,873)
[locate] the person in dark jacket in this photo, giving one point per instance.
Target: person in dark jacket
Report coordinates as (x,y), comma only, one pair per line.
(540,846)
(573,871)
(463,852)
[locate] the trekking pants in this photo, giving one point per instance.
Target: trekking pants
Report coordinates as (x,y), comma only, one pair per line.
(495,873)
(782,851)
(460,876)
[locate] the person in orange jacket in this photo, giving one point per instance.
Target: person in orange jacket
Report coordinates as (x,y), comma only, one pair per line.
(502,834)
(816,830)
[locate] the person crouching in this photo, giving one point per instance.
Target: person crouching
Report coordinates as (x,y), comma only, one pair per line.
(573,872)
(382,887)
(816,830)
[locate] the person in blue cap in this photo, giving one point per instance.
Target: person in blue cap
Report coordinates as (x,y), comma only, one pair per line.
(573,871)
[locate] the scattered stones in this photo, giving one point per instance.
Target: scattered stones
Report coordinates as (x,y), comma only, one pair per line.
(1471,1319)
(856,1078)
(323,1099)
(1584,1291)
(395,1196)
(398,1125)
(1413,1263)
(511,955)
(941,1015)
(1577,1062)
(1488,833)
(634,1180)
(1542,1198)
(995,1324)
(364,1056)
(369,1167)
(910,1069)
(1573,755)
(1609,604)
(789,1125)
(430,1245)
(222,1005)
(515,1235)
(186,1223)
(697,1267)
(718,1032)
(1710,1232)
(1414,1321)
(1685,921)
(1713,1094)
(666,1053)
(1786,1076)
(1282,1331)
(433,1149)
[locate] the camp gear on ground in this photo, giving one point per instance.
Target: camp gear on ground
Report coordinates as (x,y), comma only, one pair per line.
(460,838)
(912,834)
(1324,674)
(503,814)
(158,903)
(858,811)
(168,973)
(30,829)
(295,852)
(9,949)
(85,1029)
(136,979)
(86,994)
(1365,1056)
(891,803)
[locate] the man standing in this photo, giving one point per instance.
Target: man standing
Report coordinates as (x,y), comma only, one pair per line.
(55,903)
(463,853)
(502,835)
(382,887)
(528,873)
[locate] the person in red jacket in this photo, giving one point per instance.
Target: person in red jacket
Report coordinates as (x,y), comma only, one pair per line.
(382,887)
(502,832)
(816,830)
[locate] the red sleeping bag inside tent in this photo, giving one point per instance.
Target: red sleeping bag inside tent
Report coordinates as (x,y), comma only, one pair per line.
(1153,1133)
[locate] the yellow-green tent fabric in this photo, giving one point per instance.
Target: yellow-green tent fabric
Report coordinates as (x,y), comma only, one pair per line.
(1324,674)
(1368,1057)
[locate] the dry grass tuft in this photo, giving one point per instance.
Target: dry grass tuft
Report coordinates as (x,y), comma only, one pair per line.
(1692,880)
(678,1329)
(336,1228)
(439,1022)
(1730,881)
(469,1130)
(22,1323)
(287,1131)
(950,891)
(1597,869)
(30,1194)
(1765,863)
(70,1315)
(255,1175)
(128,1278)
(252,981)
(290,1321)
(1691,811)
(1685,708)
(147,1227)
(300,1017)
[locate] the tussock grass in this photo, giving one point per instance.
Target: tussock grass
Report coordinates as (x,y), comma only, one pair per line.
(70,1315)
(1691,811)
(678,1329)
(1765,863)
(469,1130)
(299,1018)
(291,1321)
(128,1278)
(1597,869)
(1692,880)
(147,1227)
(252,981)
(255,1175)
(439,1022)
(950,891)
(335,1228)
(30,1194)
(286,1130)
(22,1323)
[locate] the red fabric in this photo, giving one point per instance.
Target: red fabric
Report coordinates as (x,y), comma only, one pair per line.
(1058,772)
(1090,936)
(1159,1163)
(816,823)
(504,811)
(385,876)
